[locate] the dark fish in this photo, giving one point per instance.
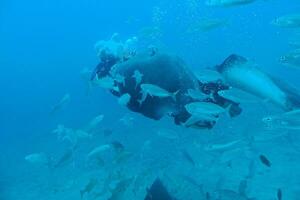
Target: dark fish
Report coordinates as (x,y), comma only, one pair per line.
(188,157)
(243,187)
(65,159)
(207,196)
(279,194)
(89,187)
(194,182)
(265,160)
(107,132)
(118,192)
(119,147)
(158,192)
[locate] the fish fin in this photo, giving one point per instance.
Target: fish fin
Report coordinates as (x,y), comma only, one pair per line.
(81,194)
(175,94)
(144,96)
(227,110)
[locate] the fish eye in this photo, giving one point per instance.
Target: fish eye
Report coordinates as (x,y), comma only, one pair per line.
(282,59)
(267,119)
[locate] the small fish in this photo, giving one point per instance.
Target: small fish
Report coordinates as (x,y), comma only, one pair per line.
(62,103)
(279,194)
(107,132)
(199,117)
(230,195)
(119,147)
(228,3)
(222,147)
(168,134)
(122,156)
(192,181)
(138,76)
(243,187)
(60,129)
(207,196)
(37,159)
(105,82)
(287,21)
(127,120)
(208,76)
(118,192)
(151,33)
(94,123)
(264,160)
(154,90)
(65,159)
(89,187)
(81,134)
(237,96)
(206,24)
(291,59)
(120,79)
(204,108)
(86,77)
(124,99)
(98,151)
(295,42)
(198,95)
(188,157)
(288,120)
(65,134)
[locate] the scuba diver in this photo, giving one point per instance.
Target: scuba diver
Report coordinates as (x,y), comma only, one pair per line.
(157,84)
(143,76)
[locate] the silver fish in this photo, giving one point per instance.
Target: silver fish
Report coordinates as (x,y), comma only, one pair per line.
(222,147)
(63,102)
(291,59)
(287,21)
(138,76)
(204,108)
(198,95)
(124,99)
(208,76)
(98,151)
(230,195)
(168,134)
(206,24)
(37,159)
(66,158)
(118,192)
(95,122)
(86,77)
(105,82)
(89,187)
(237,96)
(289,120)
(154,90)
(120,79)
(198,117)
(228,3)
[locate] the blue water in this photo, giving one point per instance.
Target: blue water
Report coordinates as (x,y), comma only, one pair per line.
(44,45)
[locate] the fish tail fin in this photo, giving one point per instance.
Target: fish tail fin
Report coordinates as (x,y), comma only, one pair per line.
(140,101)
(175,94)
(143,98)
(81,194)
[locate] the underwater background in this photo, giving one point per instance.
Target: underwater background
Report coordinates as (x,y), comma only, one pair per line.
(45,47)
